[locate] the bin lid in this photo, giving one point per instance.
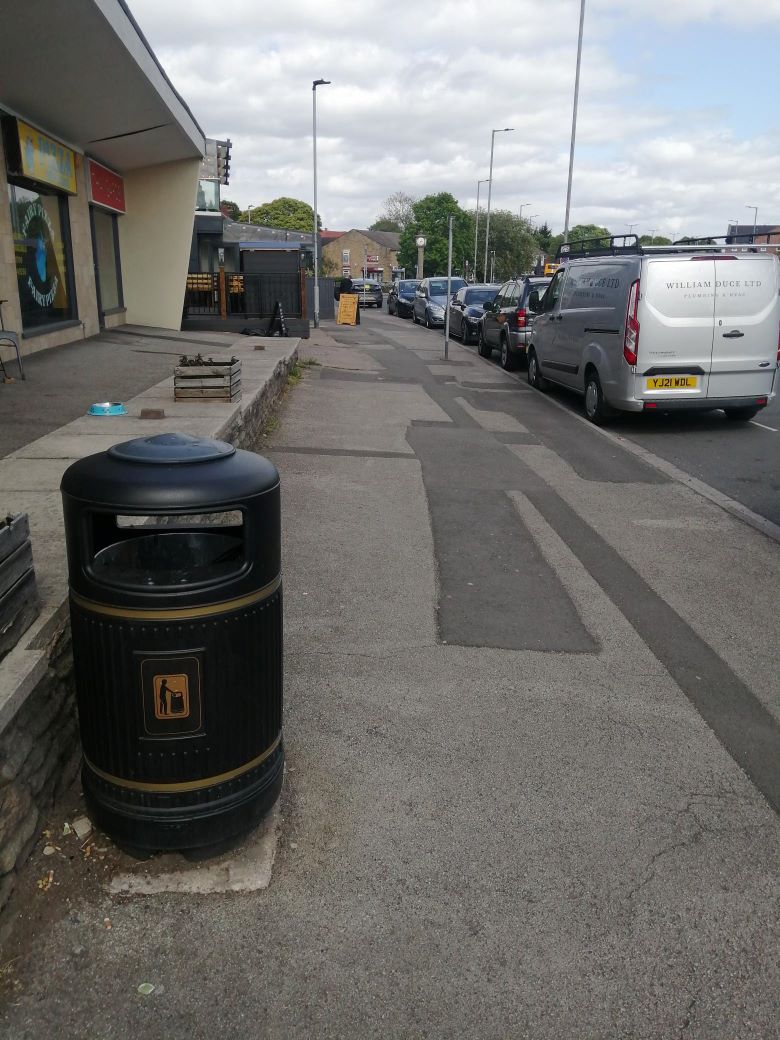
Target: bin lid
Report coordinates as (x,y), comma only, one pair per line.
(167,449)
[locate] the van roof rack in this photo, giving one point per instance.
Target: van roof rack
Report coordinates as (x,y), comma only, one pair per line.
(629,245)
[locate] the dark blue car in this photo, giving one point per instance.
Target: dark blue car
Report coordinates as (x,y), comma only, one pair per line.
(401,297)
(466,310)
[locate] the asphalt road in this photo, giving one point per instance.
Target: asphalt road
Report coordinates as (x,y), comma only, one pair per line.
(531,726)
(742,460)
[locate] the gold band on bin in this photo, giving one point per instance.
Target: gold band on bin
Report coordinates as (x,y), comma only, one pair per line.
(177,613)
(186,785)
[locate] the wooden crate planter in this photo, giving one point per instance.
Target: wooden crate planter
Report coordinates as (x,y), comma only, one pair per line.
(18,590)
(214,378)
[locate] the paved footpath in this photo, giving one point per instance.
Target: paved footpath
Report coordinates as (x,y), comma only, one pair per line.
(532,743)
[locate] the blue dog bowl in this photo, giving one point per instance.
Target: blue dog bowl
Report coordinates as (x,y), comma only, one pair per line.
(107,408)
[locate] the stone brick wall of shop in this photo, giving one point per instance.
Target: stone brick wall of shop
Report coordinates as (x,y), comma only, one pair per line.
(358,245)
(83,268)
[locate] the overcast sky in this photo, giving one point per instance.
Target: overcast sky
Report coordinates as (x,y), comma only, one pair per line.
(679,113)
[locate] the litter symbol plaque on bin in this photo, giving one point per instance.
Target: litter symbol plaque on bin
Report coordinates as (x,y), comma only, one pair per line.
(170,687)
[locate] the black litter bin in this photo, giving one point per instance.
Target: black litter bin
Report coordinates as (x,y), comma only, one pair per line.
(176,612)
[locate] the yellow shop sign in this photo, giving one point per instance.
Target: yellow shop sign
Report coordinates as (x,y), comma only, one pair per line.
(46,160)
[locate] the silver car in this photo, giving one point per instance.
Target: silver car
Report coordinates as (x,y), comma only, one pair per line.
(369,293)
(431,300)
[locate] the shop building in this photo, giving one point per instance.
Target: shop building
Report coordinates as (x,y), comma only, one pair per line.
(99,175)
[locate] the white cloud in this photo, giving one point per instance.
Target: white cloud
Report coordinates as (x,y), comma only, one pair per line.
(413,102)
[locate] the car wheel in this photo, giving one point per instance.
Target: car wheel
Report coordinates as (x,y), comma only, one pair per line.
(741,414)
(414,317)
(483,348)
(427,321)
(465,338)
(534,376)
(596,408)
(508,361)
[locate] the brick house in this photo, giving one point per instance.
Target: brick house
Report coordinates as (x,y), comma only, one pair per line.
(357,253)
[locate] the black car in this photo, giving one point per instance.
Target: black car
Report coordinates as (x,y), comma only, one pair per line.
(369,292)
(507,322)
(401,297)
(466,310)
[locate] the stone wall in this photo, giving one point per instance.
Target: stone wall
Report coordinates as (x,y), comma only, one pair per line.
(39,748)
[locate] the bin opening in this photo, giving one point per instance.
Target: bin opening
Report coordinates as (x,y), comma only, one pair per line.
(169,559)
(167,551)
(233,518)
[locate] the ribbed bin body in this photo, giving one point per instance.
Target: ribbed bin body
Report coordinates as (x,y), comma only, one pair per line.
(177,640)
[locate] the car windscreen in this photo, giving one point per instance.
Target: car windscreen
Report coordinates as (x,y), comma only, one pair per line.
(438,287)
(407,286)
(480,295)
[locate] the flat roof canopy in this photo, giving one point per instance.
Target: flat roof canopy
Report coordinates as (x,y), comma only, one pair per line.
(83,71)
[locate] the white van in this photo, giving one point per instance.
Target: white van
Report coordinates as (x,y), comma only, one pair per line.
(635,328)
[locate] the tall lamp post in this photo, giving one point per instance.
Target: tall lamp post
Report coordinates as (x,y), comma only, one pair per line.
(755,218)
(505,130)
(316,83)
(249,214)
(574,123)
(476,228)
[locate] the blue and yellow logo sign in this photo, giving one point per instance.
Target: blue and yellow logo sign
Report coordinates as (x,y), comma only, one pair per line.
(46,160)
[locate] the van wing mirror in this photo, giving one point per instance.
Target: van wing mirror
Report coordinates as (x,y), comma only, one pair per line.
(487,305)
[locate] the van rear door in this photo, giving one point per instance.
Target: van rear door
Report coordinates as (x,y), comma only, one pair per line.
(747,320)
(676,321)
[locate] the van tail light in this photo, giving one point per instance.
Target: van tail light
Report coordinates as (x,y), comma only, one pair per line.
(521,318)
(631,338)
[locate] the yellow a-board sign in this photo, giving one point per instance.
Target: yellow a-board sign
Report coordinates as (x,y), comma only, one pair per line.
(348,307)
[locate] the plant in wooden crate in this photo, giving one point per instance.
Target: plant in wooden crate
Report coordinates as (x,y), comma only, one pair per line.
(213,378)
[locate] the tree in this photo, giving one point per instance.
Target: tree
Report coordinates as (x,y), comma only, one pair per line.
(512,240)
(429,218)
(383,224)
(289,214)
(654,240)
(543,236)
(230,209)
(578,234)
(398,208)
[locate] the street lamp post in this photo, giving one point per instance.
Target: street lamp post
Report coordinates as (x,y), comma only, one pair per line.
(505,130)
(630,227)
(316,83)
(476,228)
(522,207)
(755,218)
(574,122)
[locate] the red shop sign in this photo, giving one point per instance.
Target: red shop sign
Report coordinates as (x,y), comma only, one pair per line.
(106,188)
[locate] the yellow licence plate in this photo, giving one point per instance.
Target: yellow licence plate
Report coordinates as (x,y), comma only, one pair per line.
(673,383)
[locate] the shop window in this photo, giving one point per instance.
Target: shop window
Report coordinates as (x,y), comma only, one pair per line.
(107,259)
(44,263)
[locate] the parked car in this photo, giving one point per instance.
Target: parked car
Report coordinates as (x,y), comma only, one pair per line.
(674,328)
(368,291)
(400,299)
(507,322)
(431,299)
(466,310)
